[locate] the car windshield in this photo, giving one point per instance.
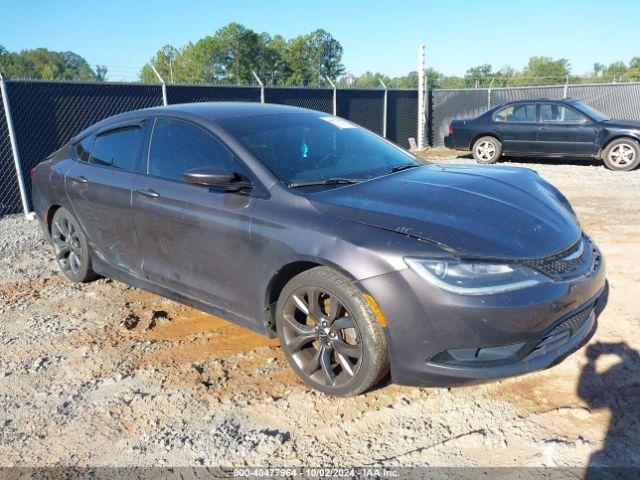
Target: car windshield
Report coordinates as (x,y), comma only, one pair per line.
(590,111)
(305,148)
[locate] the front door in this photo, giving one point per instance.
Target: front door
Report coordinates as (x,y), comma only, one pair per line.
(195,239)
(517,127)
(99,189)
(565,131)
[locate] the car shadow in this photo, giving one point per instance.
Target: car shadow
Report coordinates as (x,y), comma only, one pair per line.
(581,162)
(615,387)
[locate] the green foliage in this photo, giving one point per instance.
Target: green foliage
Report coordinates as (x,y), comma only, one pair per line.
(44,64)
(231,54)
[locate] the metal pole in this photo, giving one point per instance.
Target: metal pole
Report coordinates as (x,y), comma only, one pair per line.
(489,94)
(384,109)
(164,85)
(566,86)
(14,147)
(421,102)
(335,99)
(255,75)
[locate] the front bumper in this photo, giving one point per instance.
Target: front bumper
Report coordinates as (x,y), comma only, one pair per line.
(511,333)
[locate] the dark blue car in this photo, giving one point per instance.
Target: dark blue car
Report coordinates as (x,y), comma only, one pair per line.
(548,128)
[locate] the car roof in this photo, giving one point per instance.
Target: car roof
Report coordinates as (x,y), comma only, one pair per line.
(211,111)
(568,101)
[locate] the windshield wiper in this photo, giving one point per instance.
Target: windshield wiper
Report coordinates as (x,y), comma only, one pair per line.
(328,181)
(399,168)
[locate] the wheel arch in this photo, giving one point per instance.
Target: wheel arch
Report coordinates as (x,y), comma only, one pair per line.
(484,134)
(281,277)
(48,216)
(613,139)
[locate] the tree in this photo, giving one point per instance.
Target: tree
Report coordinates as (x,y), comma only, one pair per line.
(234,51)
(41,63)
(544,71)
(479,76)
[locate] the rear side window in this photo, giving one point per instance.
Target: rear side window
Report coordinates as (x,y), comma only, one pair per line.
(82,149)
(117,148)
(523,112)
(178,146)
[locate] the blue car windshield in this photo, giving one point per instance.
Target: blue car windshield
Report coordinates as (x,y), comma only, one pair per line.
(590,111)
(306,147)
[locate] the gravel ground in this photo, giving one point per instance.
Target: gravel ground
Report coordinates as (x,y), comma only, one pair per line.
(107,375)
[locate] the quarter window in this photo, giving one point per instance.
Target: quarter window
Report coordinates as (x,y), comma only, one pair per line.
(82,149)
(178,146)
(523,112)
(552,113)
(117,148)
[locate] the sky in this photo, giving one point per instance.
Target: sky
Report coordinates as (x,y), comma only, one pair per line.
(376,36)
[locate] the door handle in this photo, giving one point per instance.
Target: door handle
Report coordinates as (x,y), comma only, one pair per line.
(147,192)
(544,129)
(80,179)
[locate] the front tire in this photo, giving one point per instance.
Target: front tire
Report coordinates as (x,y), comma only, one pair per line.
(71,247)
(622,155)
(329,333)
(487,150)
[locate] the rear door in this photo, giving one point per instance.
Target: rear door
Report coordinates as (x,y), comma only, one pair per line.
(518,127)
(99,189)
(564,130)
(195,239)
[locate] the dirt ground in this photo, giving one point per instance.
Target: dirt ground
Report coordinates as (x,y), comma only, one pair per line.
(107,375)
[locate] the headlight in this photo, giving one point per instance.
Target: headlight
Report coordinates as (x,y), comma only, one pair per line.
(475,278)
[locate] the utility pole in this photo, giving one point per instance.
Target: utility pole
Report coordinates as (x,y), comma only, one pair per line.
(421,98)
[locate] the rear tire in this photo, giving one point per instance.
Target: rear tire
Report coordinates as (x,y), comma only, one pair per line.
(329,333)
(487,150)
(71,247)
(622,155)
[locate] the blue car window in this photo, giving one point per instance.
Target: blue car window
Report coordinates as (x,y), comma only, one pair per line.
(553,113)
(523,112)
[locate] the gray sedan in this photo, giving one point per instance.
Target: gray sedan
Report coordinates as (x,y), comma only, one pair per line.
(299,224)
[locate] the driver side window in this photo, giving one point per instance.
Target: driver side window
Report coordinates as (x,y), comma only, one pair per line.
(178,146)
(553,113)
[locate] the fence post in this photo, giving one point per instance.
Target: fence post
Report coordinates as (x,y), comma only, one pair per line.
(384,109)
(489,94)
(335,95)
(255,75)
(566,86)
(164,85)
(14,146)
(421,92)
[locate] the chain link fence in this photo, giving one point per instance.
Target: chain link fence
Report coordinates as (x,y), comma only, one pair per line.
(46,114)
(619,100)
(320,99)
(211,93)
(9,190)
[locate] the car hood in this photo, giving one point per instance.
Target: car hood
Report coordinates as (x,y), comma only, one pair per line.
(488,212)
(632,124)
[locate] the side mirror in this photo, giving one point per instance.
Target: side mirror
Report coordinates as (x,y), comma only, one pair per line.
(216,177)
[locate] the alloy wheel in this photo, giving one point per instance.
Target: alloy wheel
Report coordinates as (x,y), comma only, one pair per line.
(622,155)
(67,245)
(486,150)
(322,336)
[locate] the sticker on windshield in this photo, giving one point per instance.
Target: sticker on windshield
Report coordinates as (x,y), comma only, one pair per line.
(338,122)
